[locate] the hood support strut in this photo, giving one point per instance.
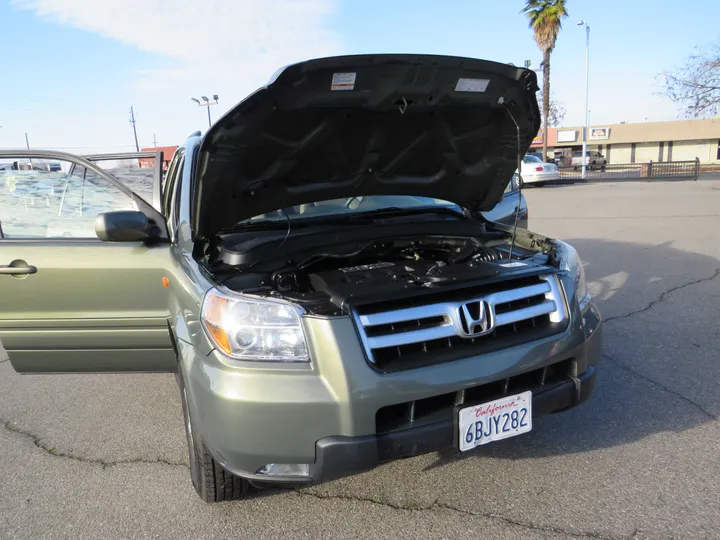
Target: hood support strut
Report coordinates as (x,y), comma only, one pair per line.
(520,181)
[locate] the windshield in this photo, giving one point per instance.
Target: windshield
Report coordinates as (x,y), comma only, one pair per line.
(531,159)
(353,205)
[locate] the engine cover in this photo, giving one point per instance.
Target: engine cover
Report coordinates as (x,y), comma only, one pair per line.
(372,280)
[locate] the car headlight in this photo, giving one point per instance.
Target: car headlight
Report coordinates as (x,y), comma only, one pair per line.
(247,328)
(570,262)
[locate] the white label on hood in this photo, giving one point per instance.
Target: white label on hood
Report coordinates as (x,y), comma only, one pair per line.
(343,81)
(472,85)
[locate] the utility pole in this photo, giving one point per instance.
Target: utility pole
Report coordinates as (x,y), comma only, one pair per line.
(132,121)
(154,141)
(27,144)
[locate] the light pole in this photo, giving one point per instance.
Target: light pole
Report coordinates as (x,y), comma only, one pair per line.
(207,104)
(587,89)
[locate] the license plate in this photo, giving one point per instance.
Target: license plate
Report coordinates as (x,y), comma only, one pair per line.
(494,420)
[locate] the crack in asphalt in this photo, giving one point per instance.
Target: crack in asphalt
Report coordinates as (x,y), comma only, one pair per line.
(699,407)
(36,440)
(662,297)
(646,378)
(411,507)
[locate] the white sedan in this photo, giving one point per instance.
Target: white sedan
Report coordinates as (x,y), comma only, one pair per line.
(534,171)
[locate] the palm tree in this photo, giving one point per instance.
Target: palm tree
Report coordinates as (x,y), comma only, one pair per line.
(545,21)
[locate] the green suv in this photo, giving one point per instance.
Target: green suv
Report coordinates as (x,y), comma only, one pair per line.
(317,270)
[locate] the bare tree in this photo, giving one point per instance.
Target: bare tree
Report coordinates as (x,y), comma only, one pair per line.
(127,164)
(696,85)
(556,112)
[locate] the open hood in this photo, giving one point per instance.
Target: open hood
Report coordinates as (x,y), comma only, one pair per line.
(419,125)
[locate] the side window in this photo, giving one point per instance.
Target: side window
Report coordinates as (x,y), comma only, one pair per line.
(175,199)
(56,203)
(171,178)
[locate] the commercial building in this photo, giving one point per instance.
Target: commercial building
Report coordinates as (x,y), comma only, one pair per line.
(683,140)
(168,152)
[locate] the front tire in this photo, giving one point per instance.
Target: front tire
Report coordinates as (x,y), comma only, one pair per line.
(210,480)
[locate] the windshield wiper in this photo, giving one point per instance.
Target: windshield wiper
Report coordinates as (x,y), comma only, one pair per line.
(274,224)
(349,218)
(256,226)
(397,211)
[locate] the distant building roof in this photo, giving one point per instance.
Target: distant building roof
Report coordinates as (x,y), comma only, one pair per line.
(679,130)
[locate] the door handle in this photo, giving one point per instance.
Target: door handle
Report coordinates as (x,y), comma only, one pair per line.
(15,270)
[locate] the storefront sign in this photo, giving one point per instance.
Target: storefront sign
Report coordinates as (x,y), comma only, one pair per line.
(567,136)
(599,134)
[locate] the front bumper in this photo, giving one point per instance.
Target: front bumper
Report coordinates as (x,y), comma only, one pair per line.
(336,457)
(324,414)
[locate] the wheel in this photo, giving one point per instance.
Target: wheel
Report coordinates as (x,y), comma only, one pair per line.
(602,168)
(210,480)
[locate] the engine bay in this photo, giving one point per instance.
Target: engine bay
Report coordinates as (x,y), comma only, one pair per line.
(328,282)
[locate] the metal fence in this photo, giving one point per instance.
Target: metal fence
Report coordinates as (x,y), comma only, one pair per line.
(665,170)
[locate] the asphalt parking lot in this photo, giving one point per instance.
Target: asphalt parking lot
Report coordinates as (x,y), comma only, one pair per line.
(105,456)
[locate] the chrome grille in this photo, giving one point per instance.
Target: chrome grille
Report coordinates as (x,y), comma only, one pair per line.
(468,324)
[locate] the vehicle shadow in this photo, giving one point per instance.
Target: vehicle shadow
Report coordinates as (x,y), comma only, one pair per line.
(625,407)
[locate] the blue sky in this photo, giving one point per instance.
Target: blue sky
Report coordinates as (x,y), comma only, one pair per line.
(76,67)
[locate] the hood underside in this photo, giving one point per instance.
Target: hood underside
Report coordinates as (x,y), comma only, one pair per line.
(419,125)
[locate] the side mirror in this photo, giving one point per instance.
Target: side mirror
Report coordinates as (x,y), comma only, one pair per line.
(124,226)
